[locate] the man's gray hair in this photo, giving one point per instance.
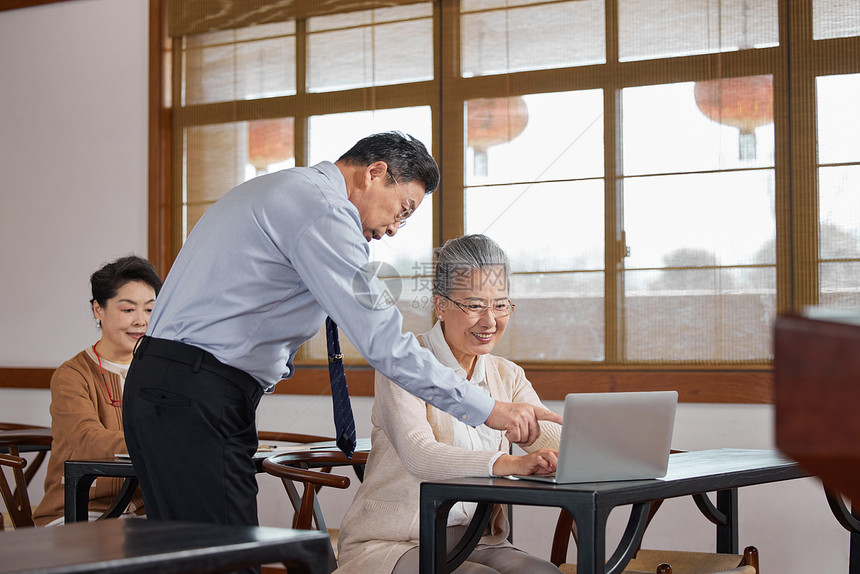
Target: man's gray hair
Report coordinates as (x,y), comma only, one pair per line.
(459,257)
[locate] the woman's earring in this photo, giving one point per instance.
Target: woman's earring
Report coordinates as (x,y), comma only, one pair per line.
(98,323)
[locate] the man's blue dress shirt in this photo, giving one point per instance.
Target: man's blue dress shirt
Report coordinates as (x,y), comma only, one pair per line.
(265,265)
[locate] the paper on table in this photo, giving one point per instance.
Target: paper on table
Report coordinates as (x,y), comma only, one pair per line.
(362,444)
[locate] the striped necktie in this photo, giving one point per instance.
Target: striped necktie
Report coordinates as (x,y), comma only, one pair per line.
(344,423)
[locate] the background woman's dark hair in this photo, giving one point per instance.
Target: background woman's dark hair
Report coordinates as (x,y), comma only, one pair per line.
(107,281)
(407,158)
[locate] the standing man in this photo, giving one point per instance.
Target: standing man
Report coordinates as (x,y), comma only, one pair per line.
(256,279)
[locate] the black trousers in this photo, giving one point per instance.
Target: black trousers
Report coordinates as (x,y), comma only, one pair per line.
(190,428)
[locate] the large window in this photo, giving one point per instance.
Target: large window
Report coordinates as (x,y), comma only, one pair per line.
(666,177)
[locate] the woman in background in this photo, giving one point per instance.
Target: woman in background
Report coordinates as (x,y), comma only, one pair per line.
(86,391)
(412,441)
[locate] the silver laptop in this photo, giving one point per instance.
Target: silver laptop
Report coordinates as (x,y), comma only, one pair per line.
(614,436)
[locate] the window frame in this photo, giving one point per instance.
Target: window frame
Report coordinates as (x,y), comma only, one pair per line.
(795,172)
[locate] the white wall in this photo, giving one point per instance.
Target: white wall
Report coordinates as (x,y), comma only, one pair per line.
(73,166)
(73,100)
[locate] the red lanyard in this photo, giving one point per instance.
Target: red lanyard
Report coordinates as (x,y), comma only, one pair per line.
(116,403)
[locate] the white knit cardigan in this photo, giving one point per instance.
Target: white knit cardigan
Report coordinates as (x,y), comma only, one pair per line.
(412,442)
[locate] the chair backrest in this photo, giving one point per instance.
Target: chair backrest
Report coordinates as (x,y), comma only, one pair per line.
(293,468)
(679,562)
(565,527)
(17,501)
(659,561)
(15,438)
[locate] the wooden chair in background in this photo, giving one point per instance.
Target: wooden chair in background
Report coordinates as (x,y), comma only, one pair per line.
(15,495)
(16,438)
(647,561)
(312,469)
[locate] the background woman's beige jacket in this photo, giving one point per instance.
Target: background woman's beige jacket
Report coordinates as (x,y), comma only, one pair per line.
(413,442)
(84,426)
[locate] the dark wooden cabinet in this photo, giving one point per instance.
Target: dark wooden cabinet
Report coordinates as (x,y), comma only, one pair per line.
(817,395)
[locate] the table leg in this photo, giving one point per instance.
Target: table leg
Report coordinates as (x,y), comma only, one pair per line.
(123,497)
(850,520)
(77,495)
(727,532)
(591,539)
(631,540)
(474,532)
(854,553)
(433,524)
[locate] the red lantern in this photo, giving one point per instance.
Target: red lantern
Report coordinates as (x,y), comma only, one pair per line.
(492,121)
(745,103)
(269,141)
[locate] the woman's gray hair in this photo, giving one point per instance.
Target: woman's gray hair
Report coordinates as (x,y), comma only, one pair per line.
(459,257)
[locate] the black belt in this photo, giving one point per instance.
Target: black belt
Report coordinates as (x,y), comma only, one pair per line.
(197,359)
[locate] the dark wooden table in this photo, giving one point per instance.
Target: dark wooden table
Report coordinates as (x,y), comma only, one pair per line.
(80,474)
(690,473)
(146,546)
(25,439)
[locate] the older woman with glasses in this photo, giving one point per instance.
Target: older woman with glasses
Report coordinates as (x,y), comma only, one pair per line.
(413,442)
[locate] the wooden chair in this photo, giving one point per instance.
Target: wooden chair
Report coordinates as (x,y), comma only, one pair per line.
(301,468)
(680,562)
(658,561)
(17,501)
(648,561)
(14,438)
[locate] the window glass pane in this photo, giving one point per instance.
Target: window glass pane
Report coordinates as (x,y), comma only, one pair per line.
(239,65)
(211,168)
(544,36)
(558,317)
(839,236)
(697,216)
(538,137)
(692,126)
(221,156)
(710,322)
(668,28)
(835,18)
(271,145)
(370,48)
(838,116)
(542,226)
(700,280)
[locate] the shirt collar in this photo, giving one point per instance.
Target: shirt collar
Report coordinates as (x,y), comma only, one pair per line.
(436,342)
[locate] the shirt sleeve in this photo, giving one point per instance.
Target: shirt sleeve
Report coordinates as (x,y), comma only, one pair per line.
(331,256)
(523,392)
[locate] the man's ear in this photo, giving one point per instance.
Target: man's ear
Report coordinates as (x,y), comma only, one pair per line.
(378,169)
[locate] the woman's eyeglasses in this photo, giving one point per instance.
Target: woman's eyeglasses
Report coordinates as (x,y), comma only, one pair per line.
(478,308)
